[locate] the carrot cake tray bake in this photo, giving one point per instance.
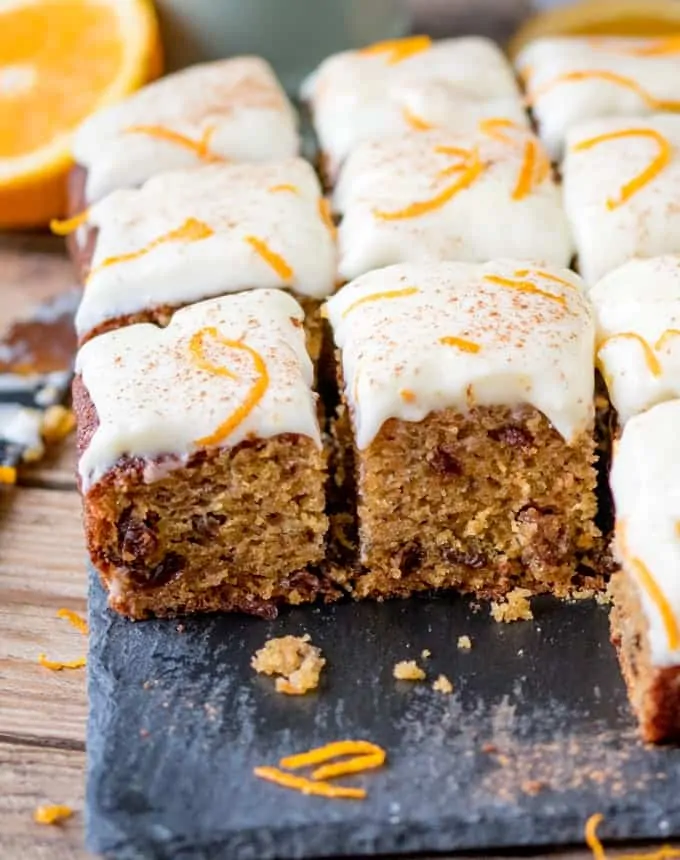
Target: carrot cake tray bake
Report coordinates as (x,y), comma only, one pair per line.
(200,459)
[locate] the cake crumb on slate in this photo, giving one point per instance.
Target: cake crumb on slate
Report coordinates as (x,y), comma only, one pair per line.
(425,653)
(408,670)
(464,643)
(515,606)
(294,659)
(443,685)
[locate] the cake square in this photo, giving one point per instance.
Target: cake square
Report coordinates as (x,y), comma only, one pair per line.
(230,110)
(468,397)
(428,197)
(189,235)
(570,80)
(411,84)
(637,313)
(621,189)
(645,619)
(200,459)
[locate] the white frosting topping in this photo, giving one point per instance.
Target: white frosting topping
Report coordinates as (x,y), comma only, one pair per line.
(645,482)
(417,339)
(172,390)
(235,107)
(639,78)
(607,229)
(250,226)
(496,215)
(637,312)
(453,83)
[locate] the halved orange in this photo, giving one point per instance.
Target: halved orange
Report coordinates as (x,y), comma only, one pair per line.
(59,61)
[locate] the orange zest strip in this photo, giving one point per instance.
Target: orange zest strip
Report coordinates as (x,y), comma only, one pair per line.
(73,619)
(192,230)
(328,751)
(254,395)
(399,50)
(667,335)
(493,127)
(548,276)
(650,585)
(666,852)
(526,173)
(525,287)
(276,261)
(200,147)
(8,475)
(460,343)
(308,786)
(285,186)
(69,225)
(471,172)
(386,294)
(416,122)
(358,764)
(454,150)
(58,665)
(52,814)
(407,395)
(655,167)
(326,216)
(197,349)
(604,75)
(652,361)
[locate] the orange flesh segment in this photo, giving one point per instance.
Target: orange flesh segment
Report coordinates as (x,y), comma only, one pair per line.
(68,225)
(385,294)
(308,786)
(328,751)
(651,360)
(58,665)
(460,343)
(399,50)
(274,260)
(525,287)
(200,147)
(661,160)
(416,122)
(611,77)
(73,619)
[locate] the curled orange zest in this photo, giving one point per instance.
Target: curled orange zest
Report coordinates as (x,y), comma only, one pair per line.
(548,276)
(385,294)
(285,186)
(470,173)
(493,127)
(526,173)
(667,335)
(605,75)
(69,225)
(536,164)
(192,230)
(655,167)
(652,361)
(357,764)
(73,619)
(8,475)
(461,343)
(416,122)
(200,147)
(58,665)
(657,596)
(52,814)
(666,852)
(308,786)
(254,395)
(326,217)
(525,287)
(407,395)
(399,50)
(328,751)
(276,261)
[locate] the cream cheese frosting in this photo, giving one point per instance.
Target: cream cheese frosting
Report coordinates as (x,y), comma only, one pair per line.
(405,85)
(445,196)
(417,339)
(637,312)
(192,234)
(232,110)
(570,80)
(224,370)
(645,482)
(621,190)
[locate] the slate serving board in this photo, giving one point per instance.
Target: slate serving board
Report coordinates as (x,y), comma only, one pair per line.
(535,738)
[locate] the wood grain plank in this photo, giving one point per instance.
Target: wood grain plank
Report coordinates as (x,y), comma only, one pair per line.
(29,777)
(32,268)
(42,568)
(57,469)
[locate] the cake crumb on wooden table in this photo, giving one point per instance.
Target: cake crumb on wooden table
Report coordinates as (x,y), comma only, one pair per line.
(294,659)
(464,643)
(514,607)
(443,685)
(408,670)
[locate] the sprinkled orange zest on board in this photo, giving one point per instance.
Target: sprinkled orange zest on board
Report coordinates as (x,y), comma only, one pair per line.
(667,335)
(276,261)
(526,173)
(191,231)
(666,852)
(652,361)
(58,665)
(328,751)
(407,395)
(399,50)
(525,287)
(52,814)
(308,786)
(470,172)
(69,225)
(73,619)
(548,276)
(650,172)
(285,186)
(416,122)
(605,75)
(385,294)
(650,585)
(255,393)
(326,217)
(8,475)
(200,147)
(461,343)
(357,764)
